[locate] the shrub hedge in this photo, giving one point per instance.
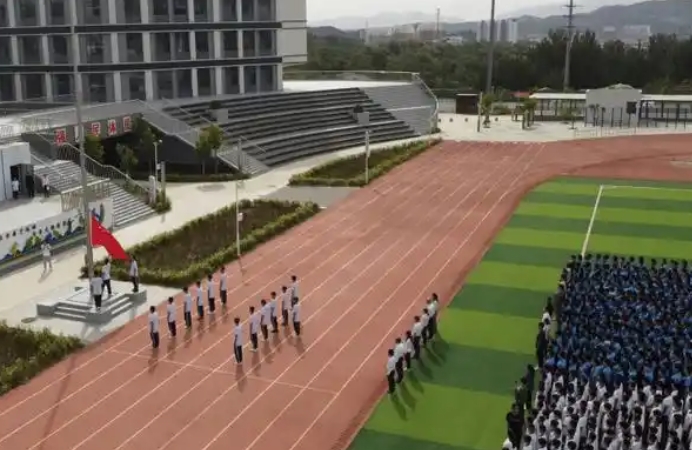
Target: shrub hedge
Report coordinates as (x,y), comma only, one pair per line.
(182,256)
(349,171)
(25,353)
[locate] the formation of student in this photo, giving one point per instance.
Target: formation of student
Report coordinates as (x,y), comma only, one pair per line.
(260,321)
(618,374)
(409,347)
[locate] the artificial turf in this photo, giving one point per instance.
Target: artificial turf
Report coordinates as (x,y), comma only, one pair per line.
(458,397)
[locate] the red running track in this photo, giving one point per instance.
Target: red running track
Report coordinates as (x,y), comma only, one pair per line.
(365,267)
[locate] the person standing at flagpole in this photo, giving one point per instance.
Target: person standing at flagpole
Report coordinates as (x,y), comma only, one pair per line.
(106,277)
(134,274)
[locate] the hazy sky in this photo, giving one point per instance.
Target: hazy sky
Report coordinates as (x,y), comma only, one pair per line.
(458,9)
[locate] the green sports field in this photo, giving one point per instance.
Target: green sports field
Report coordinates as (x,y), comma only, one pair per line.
(458,397)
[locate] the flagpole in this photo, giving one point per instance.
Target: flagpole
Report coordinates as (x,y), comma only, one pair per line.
(237,207)
(77,81)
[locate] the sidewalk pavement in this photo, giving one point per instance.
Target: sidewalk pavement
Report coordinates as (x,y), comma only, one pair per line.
(24,288)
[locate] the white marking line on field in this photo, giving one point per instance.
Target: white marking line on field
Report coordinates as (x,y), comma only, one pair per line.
(249,298)
(413,303)
(416,300)
(594,213)
(323,305)
(223,372)
(354,304)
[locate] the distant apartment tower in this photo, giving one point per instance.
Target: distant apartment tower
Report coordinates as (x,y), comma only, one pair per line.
(505,31)
(513,31)
(483,32)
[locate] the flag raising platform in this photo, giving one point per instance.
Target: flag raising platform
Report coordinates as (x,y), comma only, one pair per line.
(78,305)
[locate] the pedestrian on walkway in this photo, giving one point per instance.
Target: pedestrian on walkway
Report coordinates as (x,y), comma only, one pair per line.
(47,254)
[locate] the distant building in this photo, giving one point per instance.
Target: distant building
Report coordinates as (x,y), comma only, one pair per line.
(505,31)
(635,34)
(513,31)
(483,33)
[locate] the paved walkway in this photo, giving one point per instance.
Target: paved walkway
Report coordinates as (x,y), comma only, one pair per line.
(190,201)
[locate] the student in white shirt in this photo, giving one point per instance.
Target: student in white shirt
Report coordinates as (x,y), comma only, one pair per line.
(170,317)
(187,307)
(223,286)
(15,188)
(294,287)
(45,184)
(391,369)
(254,327)
(97,292)
(425,321)
(399,352)
(134,274)
(409,349)
(286,301)
(432,309)
(417,332)
(265,311)
(200,302)
(275,312)
(46,252)
(106,276)
(238,341)
(296,317)
(154,327)
(211,293)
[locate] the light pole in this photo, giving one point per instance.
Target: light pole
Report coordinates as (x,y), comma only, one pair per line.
(491,50)
(81,140)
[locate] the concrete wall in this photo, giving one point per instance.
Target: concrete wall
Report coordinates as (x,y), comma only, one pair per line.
(605,106)
(11,155)
(292,39)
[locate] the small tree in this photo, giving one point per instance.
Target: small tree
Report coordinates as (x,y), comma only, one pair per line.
(530,105)
(203,148)
(215,140)
(128,158)
(487,107)
(93,147)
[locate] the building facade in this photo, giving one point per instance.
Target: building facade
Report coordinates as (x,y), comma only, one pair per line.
(147,49)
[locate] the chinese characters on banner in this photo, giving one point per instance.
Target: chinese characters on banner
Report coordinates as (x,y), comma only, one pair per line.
(60,136)
(96,128)
(127,124)
(112,127)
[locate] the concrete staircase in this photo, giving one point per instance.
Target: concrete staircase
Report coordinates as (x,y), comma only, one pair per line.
(64,175)
(408,102)
(78,306)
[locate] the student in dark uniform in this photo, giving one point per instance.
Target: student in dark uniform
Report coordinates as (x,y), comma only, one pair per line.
(296,316)
(154,327)
(399,352)
(265,312)
(170,317)
(238,341)
(391,369)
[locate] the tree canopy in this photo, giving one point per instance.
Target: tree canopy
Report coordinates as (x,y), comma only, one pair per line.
(660,65)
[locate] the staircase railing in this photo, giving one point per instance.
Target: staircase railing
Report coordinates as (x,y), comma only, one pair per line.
(69,152)
(435,114)
(168,124)
(54,171)
(242,159)
(355,75)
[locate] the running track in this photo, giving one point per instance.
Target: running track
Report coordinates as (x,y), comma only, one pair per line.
(365,267)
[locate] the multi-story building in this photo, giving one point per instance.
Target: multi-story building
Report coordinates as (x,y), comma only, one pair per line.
(147,49)
(483,32)
(513,31)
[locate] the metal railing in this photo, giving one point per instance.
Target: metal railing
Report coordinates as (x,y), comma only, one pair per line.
(435,113)
(242,159)
(355,75)
(53,169)
(69,152)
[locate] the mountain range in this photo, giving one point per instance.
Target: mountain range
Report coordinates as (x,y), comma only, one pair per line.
(663,16)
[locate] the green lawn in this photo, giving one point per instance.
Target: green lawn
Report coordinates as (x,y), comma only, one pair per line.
(458,396)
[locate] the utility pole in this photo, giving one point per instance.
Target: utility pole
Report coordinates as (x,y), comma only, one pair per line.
(491,50)
(570,39)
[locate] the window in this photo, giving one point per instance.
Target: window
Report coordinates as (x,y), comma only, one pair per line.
(180,10)
(249,44)
(162,47)
(29,50)
(229,11)
(5,50)
(62,86)
(183,81)
(230,44)
(56,12)
(133,86)
(97,90)
(160,10)
(231,80)
(265,10)
(92,11)
(202,10)
(27,12)
(59,49)
(94,48)
(7,87)
(266,42)
(267,77)
(164,83)
(248,10)
(133,51)
(250,73)
(202,39)
(181,41)
(4,18)
(205,81)
(132,11)
(32,86)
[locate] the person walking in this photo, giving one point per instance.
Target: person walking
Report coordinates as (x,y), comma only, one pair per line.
(238,341)
(15,188)
(97,292)
(134,274)
(187,307)
(391,371)
(47,254)
(211,293)
(275,312)
(296,317)
(170,317)
(265,311)
(417,332)
(200,301)
(254,328)
(45,185)
(286,301)
(223,286)
(154,327)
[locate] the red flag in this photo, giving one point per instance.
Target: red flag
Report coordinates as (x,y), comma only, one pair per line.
(101,237)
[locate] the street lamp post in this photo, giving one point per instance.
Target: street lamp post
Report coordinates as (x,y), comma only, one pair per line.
(156,159)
